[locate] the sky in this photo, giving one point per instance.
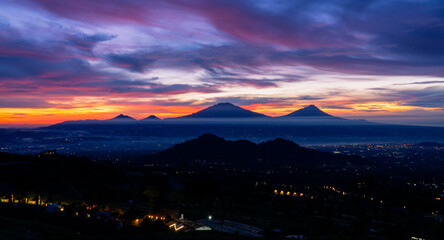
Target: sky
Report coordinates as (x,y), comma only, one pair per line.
(380,60)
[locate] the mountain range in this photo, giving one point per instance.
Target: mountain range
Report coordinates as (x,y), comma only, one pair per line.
(227,111)
(308,125)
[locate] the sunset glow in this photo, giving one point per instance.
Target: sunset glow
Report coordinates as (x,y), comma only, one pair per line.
(72,60)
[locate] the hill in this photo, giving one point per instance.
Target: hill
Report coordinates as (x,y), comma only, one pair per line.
(210,149)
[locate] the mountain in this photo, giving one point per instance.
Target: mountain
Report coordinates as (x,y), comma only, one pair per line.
(224,110)
(309,111)
(151,117)
(122,117)
(211,149)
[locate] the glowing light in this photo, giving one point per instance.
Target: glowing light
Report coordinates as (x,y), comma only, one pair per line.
(176,228)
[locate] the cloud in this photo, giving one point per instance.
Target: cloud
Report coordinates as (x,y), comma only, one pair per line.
(250,100)
(24,103)
(137,63)
(166,89)
(51,49)
(340,36)
(52,62)
(336,107)
(428,97)
(420,83)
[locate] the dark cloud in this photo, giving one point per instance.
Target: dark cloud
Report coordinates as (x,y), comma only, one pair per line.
(259,100)
(364,37)
(421,83)
(24,103)
(171,102)
(428,97)
(242,101)
(336,107)
(305,98)
(165,89)
(52,62)
(137,63)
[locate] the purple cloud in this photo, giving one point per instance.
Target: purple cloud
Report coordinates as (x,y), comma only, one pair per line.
(114,48)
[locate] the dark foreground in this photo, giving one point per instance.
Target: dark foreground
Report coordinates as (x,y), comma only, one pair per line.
(391,193)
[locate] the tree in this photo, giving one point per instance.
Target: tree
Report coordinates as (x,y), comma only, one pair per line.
(152,195)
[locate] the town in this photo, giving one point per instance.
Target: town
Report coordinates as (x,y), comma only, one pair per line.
(213,200)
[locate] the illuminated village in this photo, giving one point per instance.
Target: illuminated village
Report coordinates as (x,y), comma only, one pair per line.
(319,203)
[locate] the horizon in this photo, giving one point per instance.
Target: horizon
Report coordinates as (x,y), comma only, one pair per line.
(128,117)
(375,60)
(120,115)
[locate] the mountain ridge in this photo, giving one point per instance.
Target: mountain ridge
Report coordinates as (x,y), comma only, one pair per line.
(222,111)
(211,149)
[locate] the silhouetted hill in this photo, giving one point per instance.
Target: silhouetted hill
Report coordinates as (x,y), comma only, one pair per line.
(224,110)
(211,149)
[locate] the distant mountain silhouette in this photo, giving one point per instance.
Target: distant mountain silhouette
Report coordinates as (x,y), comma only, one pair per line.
(309,111)
(210,148)
(122,117)
(151,117)
(224,110)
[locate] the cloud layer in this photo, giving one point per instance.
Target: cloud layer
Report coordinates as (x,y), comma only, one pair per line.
(86,59)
